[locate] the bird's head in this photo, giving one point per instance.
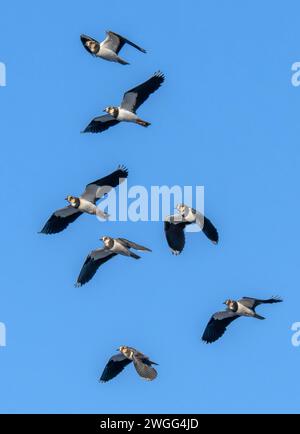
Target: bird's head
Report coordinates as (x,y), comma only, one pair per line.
(91,45)
(122,349)
(110,110)
(72,200)
(106,240)
(230,304)
(181,208)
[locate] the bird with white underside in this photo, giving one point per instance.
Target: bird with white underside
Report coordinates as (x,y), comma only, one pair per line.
(86,203)
(109,48)
(116,364)
(219,322)
(126,112)
(175,225)
(112,247)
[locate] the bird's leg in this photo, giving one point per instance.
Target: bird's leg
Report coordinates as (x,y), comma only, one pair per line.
(142,123)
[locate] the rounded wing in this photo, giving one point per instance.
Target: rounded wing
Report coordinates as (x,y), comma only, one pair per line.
(115,42)
(97,189)
(100,124)
(252,303)
(114,366)
(174,231)
(135,97)
(144,368)
(94,260)
(210,231)
(217,325)
(60,219)
(207,227)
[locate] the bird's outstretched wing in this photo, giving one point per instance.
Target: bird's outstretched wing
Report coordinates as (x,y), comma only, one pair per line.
(130,244)
(60,219)
(93,46)
(94,260)
(217,325)
(114,366)
(207,227)
(97,189)
(115,42)
(135,97)
(100,123)
(210,230)
(252,303)
(174,226)
(144,367)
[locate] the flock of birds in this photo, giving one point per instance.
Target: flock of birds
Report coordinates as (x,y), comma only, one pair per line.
(174,225)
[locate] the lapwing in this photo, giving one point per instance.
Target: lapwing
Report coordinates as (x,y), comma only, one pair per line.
(118,362)
(86,203)
(175,225)
(109,48)
(126,112)
(112,247)
(235,309)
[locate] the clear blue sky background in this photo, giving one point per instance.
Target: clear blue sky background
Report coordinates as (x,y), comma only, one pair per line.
(227,118)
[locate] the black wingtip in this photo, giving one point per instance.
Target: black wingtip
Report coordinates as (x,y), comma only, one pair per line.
(160,74)
(277,299)
(123,168)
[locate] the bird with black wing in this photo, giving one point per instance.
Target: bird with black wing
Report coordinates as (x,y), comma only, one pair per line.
(86,203)
(175,225)
(109,48)
(112,247)
(117,363)
(219,322)
(126,112)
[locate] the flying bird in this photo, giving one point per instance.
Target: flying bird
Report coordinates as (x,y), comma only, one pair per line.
(86,203)
(220,320)
(126,112)
(109,48)
(112,247)
(117,363)
(174,226)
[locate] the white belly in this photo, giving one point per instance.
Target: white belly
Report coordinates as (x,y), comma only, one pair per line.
(107,54)
(86,206)
(190,217)
(126,116)
(244,311)
(119,248)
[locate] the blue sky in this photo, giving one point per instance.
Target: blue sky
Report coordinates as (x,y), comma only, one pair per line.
(227,118)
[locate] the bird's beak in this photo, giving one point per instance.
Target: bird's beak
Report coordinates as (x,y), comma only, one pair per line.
(66,198)
(224,302)
(105,110)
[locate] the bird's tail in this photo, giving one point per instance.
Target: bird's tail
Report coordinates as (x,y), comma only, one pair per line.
(143,123)
(101,214)
(134,255)
(122,61)
(258,316)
